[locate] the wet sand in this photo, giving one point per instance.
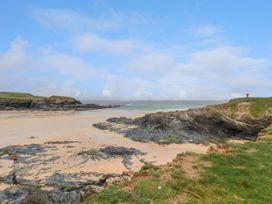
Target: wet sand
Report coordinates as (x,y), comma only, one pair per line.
(22,128)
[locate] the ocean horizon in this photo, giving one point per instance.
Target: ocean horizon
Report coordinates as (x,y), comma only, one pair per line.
(156,105)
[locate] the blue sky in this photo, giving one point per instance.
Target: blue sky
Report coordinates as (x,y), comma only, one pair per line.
(144,49)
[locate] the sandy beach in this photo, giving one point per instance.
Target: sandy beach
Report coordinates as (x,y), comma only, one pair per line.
(25,128)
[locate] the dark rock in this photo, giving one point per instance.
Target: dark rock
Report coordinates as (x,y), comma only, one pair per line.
(20,101)
(193,126)
(31,149)
(121,120)
(61,142)
(13,195)
(120,151)
(72,197)
(31,195)
(103,126)
(111,152)
(35,197)
(67,188)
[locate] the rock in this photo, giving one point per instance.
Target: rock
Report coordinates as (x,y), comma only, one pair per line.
(120,151)
(22,101)
(67,188)
(72,197)
(31,149)
(121,120)
(36,197)
(60,180)
(103,126)
(125,153)
(14,195)
(61,142)
(111,152)
(27,195)
(190,126)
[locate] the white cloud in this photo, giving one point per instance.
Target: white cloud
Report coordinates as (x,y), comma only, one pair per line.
(106,93)
(224,60)
(217,73)
(153,62)
(66,65)
(93,42)
(15,57)
(130,68)
(43,71)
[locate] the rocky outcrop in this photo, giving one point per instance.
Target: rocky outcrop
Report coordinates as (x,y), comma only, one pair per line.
(195,126)
(113,152)
(16,101)
(59,187)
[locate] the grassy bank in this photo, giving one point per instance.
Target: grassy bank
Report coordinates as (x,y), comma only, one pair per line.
(14,95)
(27,96)
(256,107)
(243,174)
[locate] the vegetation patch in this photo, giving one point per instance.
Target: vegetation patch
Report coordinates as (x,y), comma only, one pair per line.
(244,176)
(93,154)
(170,140)
(111,195)
(257,106)
(14,95)
(266,135)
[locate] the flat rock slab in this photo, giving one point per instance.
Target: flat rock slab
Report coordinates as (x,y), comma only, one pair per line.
(113,152)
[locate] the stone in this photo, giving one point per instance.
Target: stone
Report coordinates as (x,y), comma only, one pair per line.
(190,126)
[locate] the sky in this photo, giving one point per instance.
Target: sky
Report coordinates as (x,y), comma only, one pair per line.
(137,50)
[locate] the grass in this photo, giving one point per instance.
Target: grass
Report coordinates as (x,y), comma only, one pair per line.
(27,96)
(92,154)
(14,95)
(39,186)
(244,176)
(269,131)
(257,107)
(111,195)
(170,140)
(266,135)
(152,190)
(60,98)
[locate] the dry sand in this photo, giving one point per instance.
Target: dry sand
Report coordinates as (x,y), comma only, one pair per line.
(19,128)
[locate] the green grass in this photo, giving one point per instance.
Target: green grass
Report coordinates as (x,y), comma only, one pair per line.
(60,98)
(242,177)
(170,140)
(245,176)
(258,106)
(39,186)
(111,195)
(269,131)
(266,135)
(14,95)
(26,96)
(152,191)
(92,154)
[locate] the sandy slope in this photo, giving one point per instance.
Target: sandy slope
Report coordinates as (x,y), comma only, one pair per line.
(17,128)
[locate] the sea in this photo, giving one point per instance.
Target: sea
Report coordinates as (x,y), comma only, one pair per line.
(157,105)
